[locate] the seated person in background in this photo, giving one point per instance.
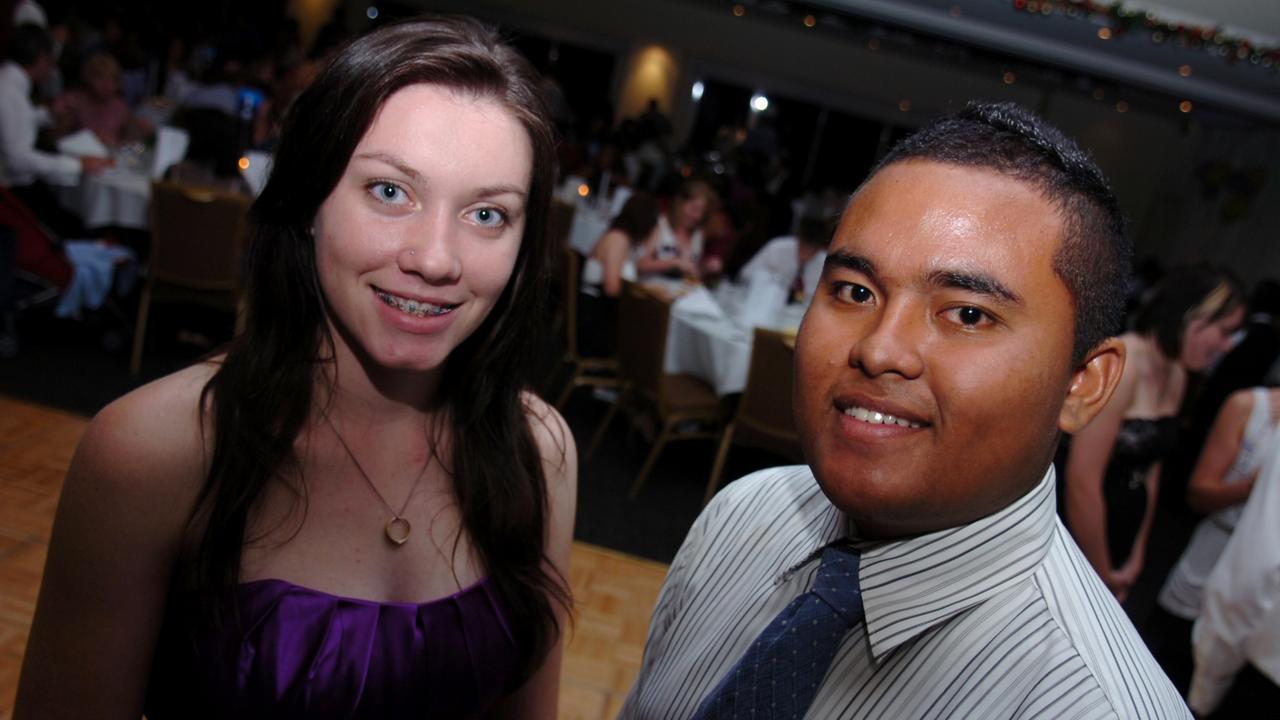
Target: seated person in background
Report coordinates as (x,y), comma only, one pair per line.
(915,568)
(794,261)
(1112,475)
(98,105)
(612,261)
(676,249)
(1237,637)
(1243,436)
(212,153)
(27,171)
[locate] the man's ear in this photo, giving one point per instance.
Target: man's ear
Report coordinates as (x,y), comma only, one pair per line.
(1092,383)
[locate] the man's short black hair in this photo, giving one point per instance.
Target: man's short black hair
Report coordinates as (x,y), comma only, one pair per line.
(1094,257)
(28,43)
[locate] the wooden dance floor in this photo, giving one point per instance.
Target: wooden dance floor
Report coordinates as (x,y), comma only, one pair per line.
(614,593)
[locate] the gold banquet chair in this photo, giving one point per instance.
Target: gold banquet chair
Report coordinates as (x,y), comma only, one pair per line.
(197,241)
(764,417)
(678,401)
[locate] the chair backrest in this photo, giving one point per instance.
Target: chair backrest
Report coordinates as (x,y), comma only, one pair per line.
(197,236)
(570,278)
(643,318)
(559,221)
(766,401)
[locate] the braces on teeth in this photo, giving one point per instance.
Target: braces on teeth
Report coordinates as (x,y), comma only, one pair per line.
(878,418)
(413,307)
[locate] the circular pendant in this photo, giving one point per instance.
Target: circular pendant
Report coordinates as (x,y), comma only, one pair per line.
(397,530)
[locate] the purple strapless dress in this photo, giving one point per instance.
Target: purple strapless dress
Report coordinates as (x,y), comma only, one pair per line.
(300,653)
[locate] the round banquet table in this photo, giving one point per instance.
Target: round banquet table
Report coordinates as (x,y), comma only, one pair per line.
(717,347)
(118,197)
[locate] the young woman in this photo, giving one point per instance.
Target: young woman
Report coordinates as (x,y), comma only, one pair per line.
(1113,465)
(358,511)
(676,249)
(611,262)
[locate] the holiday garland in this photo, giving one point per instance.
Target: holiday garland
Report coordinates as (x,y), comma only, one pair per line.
(1121,20)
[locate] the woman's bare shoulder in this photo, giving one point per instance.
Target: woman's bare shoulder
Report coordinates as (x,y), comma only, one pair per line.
(152,436)
(549,428)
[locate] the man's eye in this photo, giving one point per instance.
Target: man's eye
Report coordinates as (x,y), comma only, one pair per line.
(854,293)
(969,316)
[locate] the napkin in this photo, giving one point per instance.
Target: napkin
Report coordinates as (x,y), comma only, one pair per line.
(257,171)
(83,143)
(699,302)
(171,148)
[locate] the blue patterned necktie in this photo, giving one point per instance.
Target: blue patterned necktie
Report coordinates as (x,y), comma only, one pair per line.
(779,674)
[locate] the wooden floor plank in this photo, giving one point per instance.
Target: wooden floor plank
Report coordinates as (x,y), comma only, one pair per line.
(614,594)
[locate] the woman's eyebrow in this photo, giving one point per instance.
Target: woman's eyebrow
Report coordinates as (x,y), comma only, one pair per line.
(391,160)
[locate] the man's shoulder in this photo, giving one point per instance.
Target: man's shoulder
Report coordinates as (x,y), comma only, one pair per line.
(775,488)
(780,501)
(1099,633)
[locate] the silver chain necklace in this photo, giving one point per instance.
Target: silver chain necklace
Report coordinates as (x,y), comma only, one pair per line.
(397,528)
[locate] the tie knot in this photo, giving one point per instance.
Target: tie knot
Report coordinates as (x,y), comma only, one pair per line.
(837,582)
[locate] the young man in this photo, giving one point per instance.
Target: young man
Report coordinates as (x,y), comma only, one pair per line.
(793,261)
(25,169)
(962,321)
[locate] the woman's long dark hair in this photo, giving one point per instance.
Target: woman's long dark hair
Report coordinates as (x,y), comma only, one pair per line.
(263,394)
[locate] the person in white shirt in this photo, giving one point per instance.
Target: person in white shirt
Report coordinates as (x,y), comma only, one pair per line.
(964,320)
(25,169)
(793,261)
(1242,438)
(1236,640)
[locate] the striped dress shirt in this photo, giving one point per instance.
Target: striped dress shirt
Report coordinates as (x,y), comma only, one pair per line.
(1000,618)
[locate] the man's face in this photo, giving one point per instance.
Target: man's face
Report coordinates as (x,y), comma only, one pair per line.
(933,363)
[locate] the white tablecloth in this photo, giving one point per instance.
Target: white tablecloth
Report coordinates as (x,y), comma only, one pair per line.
(717,346)
(117,197)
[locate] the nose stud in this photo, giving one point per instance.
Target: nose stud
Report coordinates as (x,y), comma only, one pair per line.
(413,252)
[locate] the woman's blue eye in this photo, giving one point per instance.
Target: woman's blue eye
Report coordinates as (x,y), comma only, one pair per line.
(488,217)
(388,193)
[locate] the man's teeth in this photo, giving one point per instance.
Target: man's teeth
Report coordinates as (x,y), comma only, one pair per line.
(413,307)
(878,418)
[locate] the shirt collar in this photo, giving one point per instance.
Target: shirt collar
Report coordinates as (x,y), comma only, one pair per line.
(913,584)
